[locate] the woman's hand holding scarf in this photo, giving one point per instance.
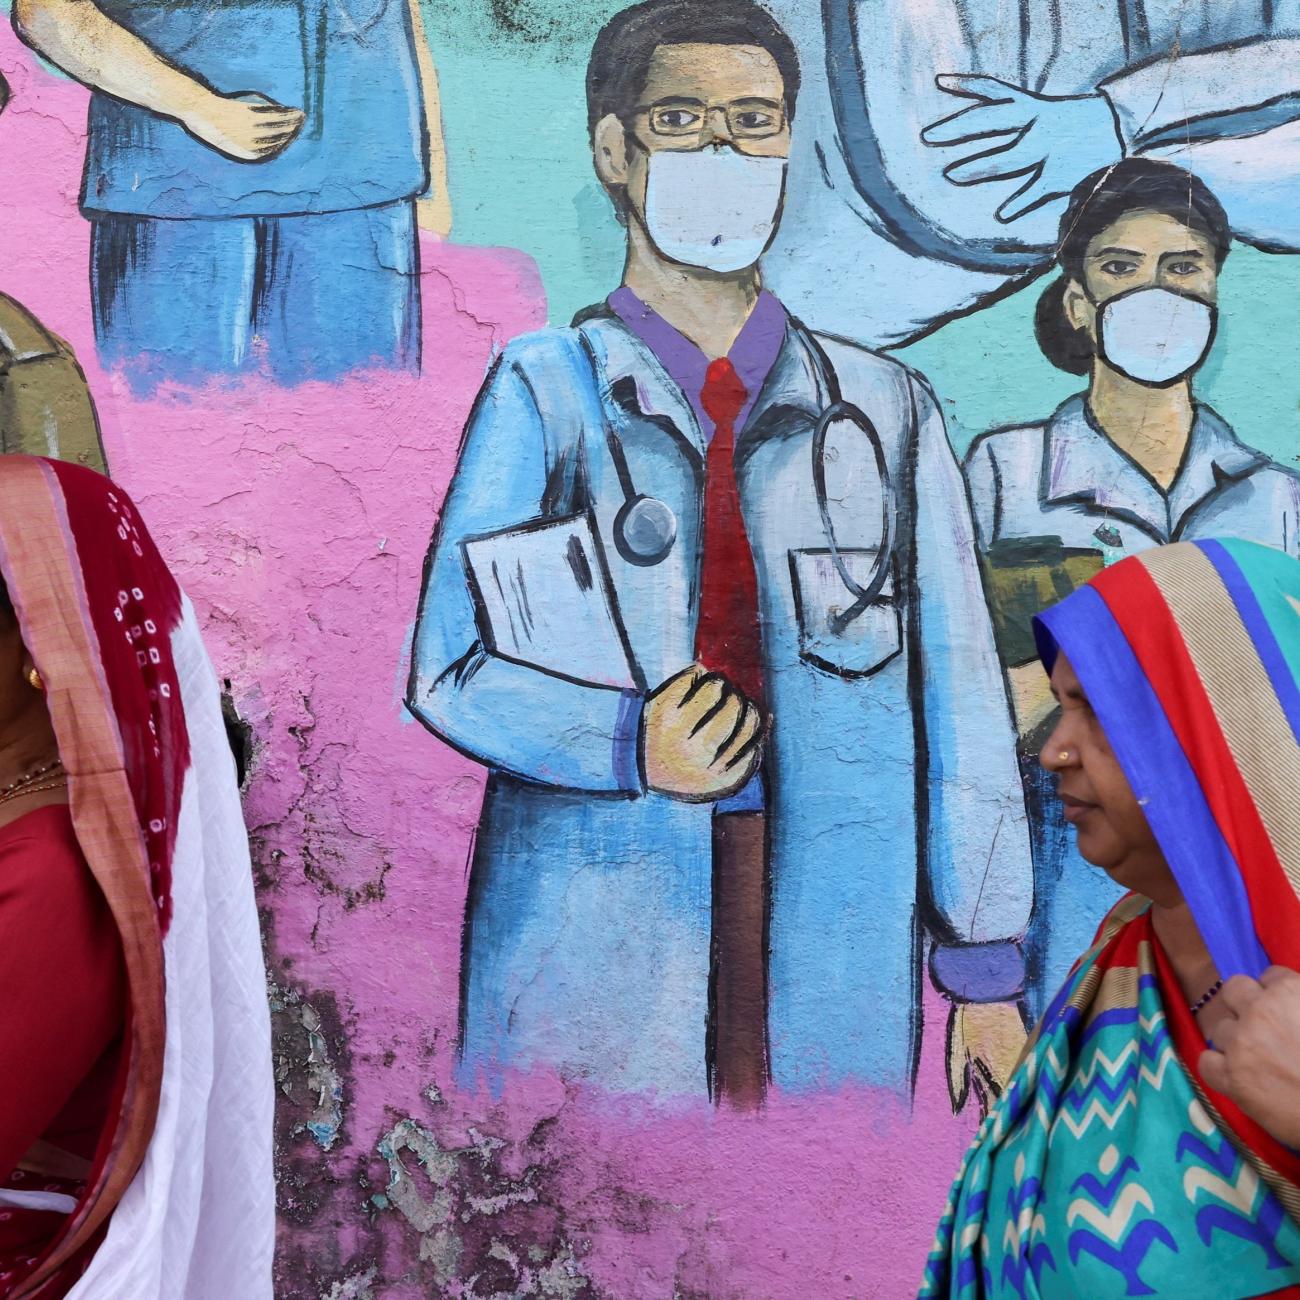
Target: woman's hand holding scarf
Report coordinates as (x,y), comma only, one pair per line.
(1255,1059)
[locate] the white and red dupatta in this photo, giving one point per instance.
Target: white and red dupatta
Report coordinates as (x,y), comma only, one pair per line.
(181,1196)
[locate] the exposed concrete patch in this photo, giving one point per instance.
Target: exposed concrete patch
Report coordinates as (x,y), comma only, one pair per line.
(240,735)
(356,1287)
(305,1072)
(480,1232)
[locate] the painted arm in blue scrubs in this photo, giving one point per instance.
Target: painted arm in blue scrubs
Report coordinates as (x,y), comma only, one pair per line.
(506,715)
(86,43)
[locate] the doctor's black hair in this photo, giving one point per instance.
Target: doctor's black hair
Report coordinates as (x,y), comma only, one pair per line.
(620,57)
(1098,201)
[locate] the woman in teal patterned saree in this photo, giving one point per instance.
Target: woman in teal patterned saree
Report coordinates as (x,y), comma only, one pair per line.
(1108,1167)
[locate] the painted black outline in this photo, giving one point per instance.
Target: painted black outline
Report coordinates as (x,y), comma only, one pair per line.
(858,608)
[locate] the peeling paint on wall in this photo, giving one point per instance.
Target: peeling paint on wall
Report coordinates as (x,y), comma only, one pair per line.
(304,1071)
(483,1231)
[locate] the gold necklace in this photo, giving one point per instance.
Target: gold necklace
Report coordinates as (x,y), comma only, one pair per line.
(28,777)
(32,782)
(34,789)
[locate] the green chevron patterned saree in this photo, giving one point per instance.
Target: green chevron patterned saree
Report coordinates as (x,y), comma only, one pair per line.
(1107,1168)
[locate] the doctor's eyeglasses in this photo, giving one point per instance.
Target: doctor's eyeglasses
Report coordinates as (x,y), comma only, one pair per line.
(689,119)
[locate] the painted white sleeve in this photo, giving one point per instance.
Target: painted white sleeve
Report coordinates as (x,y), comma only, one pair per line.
(978,863)
(505,714)
(1232,117)
(1208,94)
(982,489)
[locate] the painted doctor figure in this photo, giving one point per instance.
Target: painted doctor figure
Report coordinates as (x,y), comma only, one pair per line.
(1134,461)
(938,141)
(800,684)
(265,163)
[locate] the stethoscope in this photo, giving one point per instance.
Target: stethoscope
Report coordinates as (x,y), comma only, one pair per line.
(645,528)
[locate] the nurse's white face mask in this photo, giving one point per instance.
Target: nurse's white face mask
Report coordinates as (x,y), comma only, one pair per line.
(713,208)
(1155,336)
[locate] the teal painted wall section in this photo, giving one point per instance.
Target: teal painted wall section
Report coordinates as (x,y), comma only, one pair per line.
(514,115)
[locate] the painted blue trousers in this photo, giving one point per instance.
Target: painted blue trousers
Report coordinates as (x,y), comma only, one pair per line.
(305,297)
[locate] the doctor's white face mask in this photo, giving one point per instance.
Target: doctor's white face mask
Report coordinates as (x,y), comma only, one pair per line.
(1155,336)
(713,208)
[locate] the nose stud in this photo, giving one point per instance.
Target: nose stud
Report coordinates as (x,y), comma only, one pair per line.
(1064,756)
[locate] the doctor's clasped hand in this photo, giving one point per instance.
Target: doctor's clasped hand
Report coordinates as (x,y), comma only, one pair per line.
(701,739)
(247,128)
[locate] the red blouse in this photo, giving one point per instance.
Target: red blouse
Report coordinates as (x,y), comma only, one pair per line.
(64,988)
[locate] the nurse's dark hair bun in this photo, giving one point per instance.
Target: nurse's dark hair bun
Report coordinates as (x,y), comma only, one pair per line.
(1064,346)
(1098,201)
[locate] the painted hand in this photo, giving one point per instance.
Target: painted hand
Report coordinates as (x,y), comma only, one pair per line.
(1257,1061)
(1048,143)
(985,1043)
(248,128)
(434,214)
(700,738)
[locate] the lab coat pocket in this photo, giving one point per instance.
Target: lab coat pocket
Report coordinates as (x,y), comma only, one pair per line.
(838,632)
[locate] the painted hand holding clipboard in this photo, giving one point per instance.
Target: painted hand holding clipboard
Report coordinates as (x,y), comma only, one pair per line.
(543,597)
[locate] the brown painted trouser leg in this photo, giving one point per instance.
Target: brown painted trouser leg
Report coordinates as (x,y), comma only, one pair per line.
(738,996)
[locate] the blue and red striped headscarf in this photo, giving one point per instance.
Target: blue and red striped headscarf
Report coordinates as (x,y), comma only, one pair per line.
(1190,657)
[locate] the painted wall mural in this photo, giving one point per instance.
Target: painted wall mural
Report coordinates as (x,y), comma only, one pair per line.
(615,452)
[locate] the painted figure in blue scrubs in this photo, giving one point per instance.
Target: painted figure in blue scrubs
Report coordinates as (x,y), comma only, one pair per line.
(253,179)
(938,141)
(704,598)
(1133,462)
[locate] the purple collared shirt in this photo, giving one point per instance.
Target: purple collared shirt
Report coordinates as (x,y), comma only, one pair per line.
(753,354)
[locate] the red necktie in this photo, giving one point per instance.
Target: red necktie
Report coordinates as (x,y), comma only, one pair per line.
(727,640)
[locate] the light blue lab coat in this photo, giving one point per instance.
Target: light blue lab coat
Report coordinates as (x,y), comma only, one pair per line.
(893,793)
(1063,478)
(876,245)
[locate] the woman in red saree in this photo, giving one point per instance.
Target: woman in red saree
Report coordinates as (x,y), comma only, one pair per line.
(135,1076)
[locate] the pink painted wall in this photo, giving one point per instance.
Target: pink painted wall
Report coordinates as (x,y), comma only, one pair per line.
(298,521)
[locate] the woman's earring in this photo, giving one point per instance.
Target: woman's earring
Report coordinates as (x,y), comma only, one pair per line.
(35,678)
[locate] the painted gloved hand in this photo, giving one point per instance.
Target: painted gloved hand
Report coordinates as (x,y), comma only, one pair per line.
(1049,143)
(985,1043)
